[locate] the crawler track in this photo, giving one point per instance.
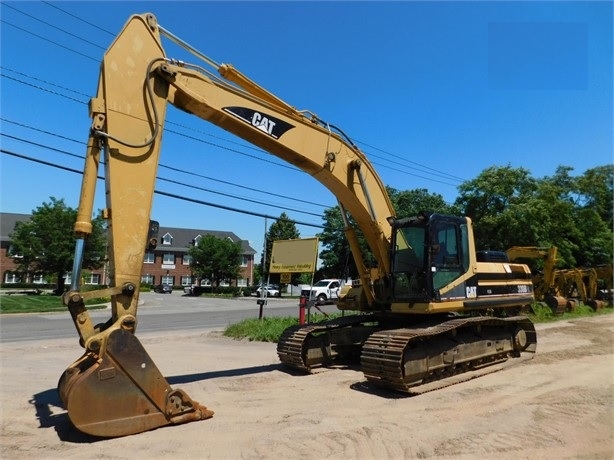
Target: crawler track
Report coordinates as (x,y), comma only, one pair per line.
(303,347)
(414,359)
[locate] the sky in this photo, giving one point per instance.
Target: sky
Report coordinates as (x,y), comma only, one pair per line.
(432,92)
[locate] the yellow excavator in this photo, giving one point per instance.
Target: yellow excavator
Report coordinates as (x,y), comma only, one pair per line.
(563,289)
(543,281)
(546,280)
(433,309)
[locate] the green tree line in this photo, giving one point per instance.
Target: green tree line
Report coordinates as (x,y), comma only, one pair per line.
(509,208)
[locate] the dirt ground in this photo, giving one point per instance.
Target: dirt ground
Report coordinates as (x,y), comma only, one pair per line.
(557,406)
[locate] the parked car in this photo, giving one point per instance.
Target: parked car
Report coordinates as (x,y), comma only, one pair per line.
(324,291)
(163,289)
(272,290)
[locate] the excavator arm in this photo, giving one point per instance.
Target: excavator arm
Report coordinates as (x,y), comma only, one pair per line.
(136,83)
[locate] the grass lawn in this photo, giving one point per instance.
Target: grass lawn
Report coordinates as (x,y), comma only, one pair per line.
(40,303)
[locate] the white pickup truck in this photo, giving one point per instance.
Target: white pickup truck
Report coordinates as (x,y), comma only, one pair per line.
(323,291)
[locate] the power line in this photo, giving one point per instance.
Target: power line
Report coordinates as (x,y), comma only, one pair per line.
(198,139)
(41,88)
(413,174)
(45,82)
(95,26)
(242,186)
(182,171)
(168,194)
(183,184)
(166,128)
(434,171)
(47,40)
(8,5)
(6,120)
(250,200)
(187,136)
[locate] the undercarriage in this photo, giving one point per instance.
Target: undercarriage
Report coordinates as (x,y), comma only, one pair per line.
(423,356)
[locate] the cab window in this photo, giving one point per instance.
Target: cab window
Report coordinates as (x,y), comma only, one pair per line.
(445,252)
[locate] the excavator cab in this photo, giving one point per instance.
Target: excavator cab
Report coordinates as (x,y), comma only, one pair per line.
(431,251)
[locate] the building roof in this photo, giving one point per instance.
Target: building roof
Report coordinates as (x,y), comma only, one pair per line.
(7,223)
(182,237)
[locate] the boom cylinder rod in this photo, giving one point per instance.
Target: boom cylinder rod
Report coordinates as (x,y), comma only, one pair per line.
(83,224)
(352,239)
(76,265)
(231,74)
(178,41)
(365,190)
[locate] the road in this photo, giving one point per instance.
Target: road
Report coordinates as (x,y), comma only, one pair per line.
(157,312)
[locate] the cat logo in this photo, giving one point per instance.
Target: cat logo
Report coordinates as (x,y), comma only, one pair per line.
(471,292)
(263,123)
(268,124)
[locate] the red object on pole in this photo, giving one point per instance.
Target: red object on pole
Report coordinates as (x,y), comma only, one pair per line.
(301,309)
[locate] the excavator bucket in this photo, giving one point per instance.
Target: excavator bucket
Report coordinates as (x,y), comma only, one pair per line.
(122,392)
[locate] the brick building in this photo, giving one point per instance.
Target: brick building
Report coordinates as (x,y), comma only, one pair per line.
(168,264)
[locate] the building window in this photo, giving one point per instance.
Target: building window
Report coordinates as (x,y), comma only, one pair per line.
(187,259)
(244,260)
(10,252)
(93,278)
(169,258)
(186,280)
(147,279)
(150,258)
(168,279)
(224,283)
(38,279)
(11,277)
(242,282)
(167,239)
(205,282)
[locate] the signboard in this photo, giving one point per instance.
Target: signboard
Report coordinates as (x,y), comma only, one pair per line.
(294,256)
(285,278)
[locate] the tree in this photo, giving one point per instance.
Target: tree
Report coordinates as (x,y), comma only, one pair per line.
(583,227)
(282,229)
(335,255)
(45,244)
(495,200)
(510,208)
(411,202)
(596,190)
(216,259)
(494,190)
